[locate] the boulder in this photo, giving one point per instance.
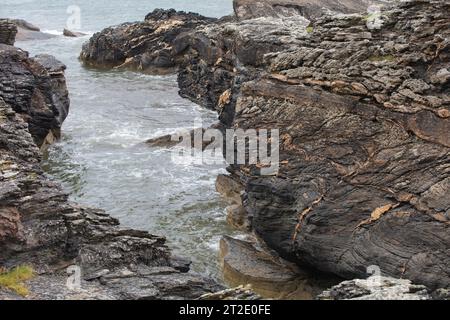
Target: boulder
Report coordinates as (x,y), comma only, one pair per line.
(244,263)
(376,288)
(73,34)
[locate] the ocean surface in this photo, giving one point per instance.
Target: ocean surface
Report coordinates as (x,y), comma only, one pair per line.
(101,159)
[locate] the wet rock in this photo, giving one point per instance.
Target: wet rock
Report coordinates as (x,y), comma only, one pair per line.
(376,288)
(36,89)
(232,190)
(27,31)
(194,138)
(142,46)
(165,141)
(41,228)
(271,277)
(364,134)
(20,23)
(73,34)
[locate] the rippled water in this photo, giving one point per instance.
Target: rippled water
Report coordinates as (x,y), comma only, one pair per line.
(101,159)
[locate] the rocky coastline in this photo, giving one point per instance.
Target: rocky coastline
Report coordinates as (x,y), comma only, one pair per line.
(41,228)
(361,101)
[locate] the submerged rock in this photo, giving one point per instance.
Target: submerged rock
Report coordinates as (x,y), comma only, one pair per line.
(73,34)
(238,293)
(41,228)
(311,9)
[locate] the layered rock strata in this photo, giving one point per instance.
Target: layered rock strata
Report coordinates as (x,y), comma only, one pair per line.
(363,113)
(362,104)
(76,252)
(143,46)
(35,87)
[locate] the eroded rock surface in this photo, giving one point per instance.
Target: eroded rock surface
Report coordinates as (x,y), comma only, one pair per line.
(362,104)
(246,263)
(36,89)
(27,31)
(143,46)
(8,32)
(39,226)
(310,9)
(376,288)
(363,112)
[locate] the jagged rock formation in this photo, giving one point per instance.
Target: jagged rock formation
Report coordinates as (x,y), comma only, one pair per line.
(310,9)
(362,104)
(38,226)
(36,89)
(143,46)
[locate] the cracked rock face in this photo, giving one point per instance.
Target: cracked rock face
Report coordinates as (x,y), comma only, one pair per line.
(39,226)
(363,115)
(142,46)
(310,9)
(376,288)
(36,89)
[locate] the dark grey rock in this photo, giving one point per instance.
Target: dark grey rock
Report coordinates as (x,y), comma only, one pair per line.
(142,46)
(364,123)
(41,228)
(35,88)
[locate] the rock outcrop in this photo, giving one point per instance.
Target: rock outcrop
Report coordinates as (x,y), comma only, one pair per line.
(362,104)
(378,288)
(246,263)
(310,9)
(27,31)
(36,89)
(143,46)
(72,34)
(40,227)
